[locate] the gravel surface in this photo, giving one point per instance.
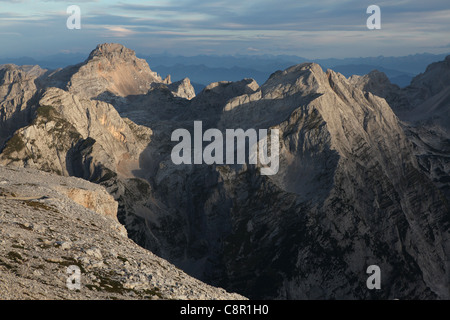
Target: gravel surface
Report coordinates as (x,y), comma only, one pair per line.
(40,239)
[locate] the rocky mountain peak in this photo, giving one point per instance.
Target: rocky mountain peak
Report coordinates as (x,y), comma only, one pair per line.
(182,88)
(112,51)
(303,78)
(113,68)
(375,82)
(17,89)
(434,80)
(423,107)
(374,77)
(378,76)
(296,72)
(10,73)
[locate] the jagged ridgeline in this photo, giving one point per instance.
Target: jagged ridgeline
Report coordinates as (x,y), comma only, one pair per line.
(355,187)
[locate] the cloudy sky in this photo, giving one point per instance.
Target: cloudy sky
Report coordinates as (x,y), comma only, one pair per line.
(307,28)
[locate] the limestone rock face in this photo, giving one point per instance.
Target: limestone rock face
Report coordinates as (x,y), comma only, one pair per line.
(113,68)
(428,124)
(74,136)
(182,89)
(378,83)
(351,190)
(17,90)
(99,201)
(424,108)
(432,82)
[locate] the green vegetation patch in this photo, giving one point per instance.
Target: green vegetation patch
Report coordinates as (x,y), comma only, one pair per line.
(123,259)
(141,185)
(7,266)
(15,144)
(40,206)
(46,112)
(15,256)
(66,262)
(62,129)
(6,193)
(110,285)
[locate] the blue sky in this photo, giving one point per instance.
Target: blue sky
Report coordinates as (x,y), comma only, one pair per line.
(310,28)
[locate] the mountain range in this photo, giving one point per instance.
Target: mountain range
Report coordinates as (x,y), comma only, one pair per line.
(363,178)
(205,69)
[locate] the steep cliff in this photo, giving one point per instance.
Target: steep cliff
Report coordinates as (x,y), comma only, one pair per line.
(423,108)
(18,89)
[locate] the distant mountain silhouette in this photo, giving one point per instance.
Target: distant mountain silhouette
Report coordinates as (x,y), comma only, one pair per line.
(205,69)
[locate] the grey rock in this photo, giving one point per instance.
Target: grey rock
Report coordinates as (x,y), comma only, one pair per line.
(17,97)
(42,274)
(182,89)
(423,107)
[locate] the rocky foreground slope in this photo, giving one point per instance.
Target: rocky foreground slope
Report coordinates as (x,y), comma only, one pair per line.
(351,191)
(48,223)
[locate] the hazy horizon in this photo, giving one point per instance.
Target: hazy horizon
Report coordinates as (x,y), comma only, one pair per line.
(258,55)
(203,69)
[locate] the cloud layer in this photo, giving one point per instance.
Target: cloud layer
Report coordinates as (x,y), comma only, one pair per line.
(315,29)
